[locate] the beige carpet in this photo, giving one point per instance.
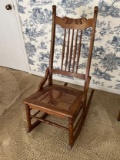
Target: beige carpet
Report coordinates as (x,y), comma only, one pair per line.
(98,140)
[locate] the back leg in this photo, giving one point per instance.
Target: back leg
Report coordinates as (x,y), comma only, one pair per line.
(118,117)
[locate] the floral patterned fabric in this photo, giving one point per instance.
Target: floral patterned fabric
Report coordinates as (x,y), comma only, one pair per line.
(35,16)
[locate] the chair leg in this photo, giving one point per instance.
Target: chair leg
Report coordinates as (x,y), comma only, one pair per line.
(36,123)
(89,102)
(118,117)
(28,117)
(71,137)
(30,126)
(90,98)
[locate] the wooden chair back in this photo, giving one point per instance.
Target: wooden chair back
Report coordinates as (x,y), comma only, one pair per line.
(72,42)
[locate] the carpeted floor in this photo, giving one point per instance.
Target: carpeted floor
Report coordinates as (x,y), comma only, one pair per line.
(98,140)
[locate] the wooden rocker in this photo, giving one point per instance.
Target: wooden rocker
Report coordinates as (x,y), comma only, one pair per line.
(64,101)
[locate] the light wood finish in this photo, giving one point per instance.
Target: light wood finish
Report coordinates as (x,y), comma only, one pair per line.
(64,101)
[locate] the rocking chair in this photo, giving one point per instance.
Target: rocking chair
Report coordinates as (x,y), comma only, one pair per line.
(64,101)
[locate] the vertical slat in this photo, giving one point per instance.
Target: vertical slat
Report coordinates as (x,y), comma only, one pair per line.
(71,48)
(63,49)
(67,52)
(75,51)
(79,50)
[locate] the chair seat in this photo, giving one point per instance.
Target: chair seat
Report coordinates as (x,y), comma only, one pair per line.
(56,99)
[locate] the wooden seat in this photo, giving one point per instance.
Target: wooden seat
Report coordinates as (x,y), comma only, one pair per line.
(57,99)
(64,101)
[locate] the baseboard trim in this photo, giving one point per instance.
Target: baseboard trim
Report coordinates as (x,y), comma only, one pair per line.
(111,90)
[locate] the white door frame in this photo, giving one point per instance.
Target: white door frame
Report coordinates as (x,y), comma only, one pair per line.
(21,35)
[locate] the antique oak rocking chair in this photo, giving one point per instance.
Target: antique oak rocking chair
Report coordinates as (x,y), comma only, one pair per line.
(64,101)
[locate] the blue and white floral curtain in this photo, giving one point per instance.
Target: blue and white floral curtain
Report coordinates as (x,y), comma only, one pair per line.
(35,16)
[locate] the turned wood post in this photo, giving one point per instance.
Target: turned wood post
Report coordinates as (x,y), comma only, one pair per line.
(28,117)
(71,137)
